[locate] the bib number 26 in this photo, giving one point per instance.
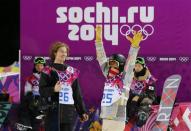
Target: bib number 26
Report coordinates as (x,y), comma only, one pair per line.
(64,96)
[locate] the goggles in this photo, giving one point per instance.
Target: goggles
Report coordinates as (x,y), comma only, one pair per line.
(140,60)
(39,61)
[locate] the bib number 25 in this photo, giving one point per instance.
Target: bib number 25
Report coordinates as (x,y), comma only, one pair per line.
(107,98)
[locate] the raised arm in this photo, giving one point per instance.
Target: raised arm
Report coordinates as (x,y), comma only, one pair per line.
(132,55)
(100,52)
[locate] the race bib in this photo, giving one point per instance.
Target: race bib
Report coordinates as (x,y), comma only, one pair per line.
(35,90)
(110,95)
(66,95)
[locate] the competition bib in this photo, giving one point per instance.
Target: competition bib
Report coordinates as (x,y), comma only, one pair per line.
(110,95)
(35,86)
(66,95)
(35,90)
(67,77)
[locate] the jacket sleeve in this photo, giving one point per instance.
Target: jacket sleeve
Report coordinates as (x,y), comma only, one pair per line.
(47,83)
(151,91)
(78,99)
(129,66)
(28,87)
(101,57)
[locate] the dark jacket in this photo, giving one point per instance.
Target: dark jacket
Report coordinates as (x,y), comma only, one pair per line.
(47,82)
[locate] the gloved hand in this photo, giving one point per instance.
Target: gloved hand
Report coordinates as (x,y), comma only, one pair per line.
(135,98)
(98,31)
(84,118)
(137,38)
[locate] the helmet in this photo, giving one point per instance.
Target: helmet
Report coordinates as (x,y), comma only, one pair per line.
(118,61)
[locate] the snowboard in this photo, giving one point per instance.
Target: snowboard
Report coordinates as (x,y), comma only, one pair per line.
(170,89)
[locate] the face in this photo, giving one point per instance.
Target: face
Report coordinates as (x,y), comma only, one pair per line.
(61,54)
(113,64)
(138,67)
(39,67)
(114,68)
(113,72)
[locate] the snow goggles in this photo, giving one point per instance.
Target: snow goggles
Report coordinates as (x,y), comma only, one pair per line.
(140,60)
(39,61)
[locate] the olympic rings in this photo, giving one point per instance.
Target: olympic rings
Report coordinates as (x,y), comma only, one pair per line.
(126,30)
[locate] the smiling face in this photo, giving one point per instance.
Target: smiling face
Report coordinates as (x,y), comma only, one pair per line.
(61,54)
(138,67)
(113,72)
(113,68)
(39,67)
(116,63)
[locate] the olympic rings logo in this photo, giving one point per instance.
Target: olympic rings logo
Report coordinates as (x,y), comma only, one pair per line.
(184,59)
(126,30)
(64,77)
(88,58)
(151,59)
(27,58)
